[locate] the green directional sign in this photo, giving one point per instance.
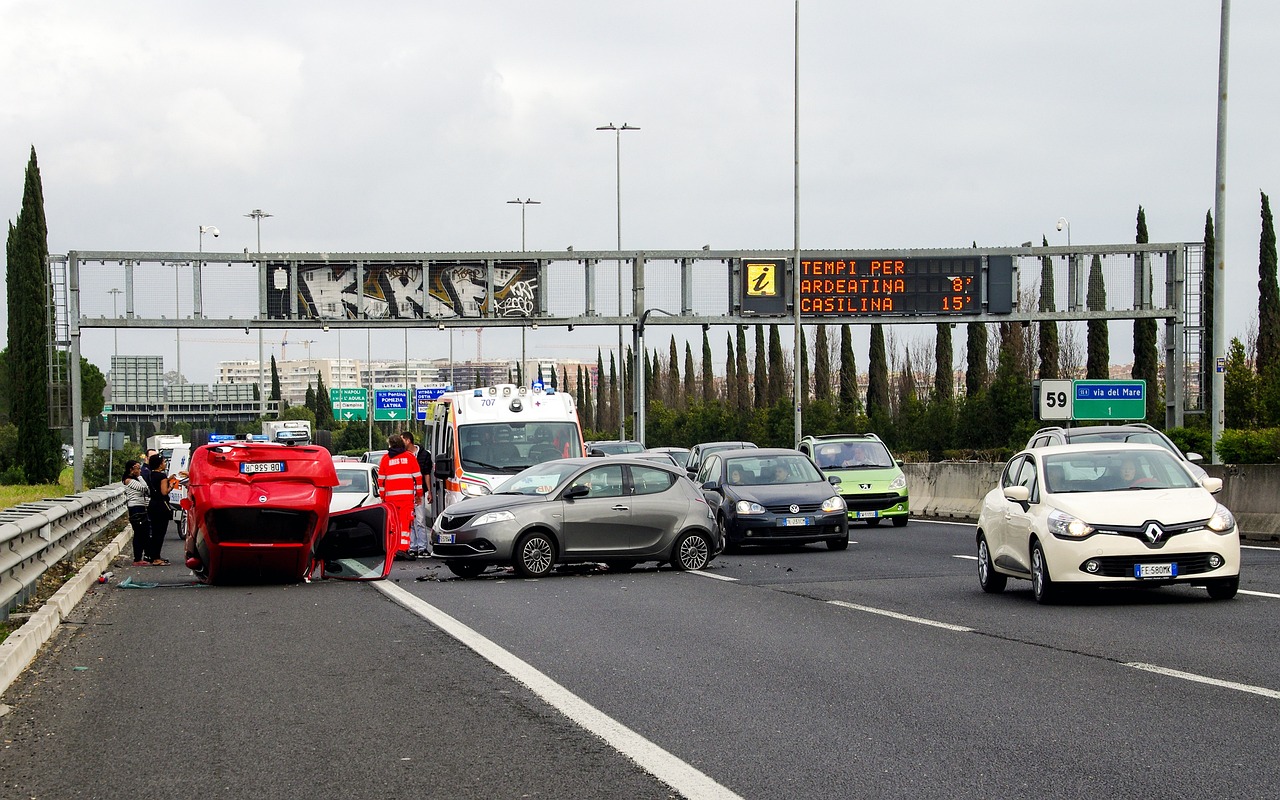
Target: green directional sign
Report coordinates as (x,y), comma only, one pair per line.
(349,405)
(1106,400)
(390,405)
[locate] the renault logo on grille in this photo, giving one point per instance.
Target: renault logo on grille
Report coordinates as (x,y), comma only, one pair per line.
(1153,533)
(794,508)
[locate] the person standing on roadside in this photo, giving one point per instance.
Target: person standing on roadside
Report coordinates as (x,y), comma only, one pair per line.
(158,508)
(419,540)
(400,484)
(137,495)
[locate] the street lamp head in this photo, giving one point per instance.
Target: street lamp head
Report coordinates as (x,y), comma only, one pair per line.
(1062,223)
(258,213)
(210,229)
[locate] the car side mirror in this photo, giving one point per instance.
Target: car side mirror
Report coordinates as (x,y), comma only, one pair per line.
(834,480)
(574,492)
(1017,494)
(711,486)
(1194,457)
(442,469)
(1213,485)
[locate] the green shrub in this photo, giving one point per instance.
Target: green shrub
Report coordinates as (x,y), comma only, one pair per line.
(1250,446)
(1192,440)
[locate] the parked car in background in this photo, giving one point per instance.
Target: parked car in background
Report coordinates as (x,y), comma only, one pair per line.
(612,447)
(666,459)
(373,457)
(620,511)
(871,479)
(1133,433)
(700,452)
(357,485)
(1108,515)
(773,496)
(679,454)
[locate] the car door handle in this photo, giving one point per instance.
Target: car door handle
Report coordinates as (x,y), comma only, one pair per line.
(619,507)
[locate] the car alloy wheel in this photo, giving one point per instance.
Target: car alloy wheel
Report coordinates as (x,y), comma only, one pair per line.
(1041,584)
(535,555)
(692,552)
(991,581)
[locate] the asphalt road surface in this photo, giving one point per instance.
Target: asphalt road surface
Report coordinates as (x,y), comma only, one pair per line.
(880,671)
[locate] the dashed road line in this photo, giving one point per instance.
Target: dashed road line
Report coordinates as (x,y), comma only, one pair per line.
(1259,594)
(704,574)
(905,617)
(1191,676)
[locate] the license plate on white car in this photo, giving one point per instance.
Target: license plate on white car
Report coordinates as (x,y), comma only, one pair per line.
(791,522)
(1155,570)
(259,467)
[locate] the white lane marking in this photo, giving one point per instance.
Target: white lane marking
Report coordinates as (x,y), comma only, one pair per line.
(1259,594)
(702,574)
(1257,547)
(904,617)
(971,558)
(946,522)
(688,781)
(1191,676)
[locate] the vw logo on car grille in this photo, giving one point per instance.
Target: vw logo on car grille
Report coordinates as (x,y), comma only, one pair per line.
(1153,533)
(795,508)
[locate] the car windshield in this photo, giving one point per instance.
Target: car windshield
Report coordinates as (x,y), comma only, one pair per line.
(539,479)
(352,481)
(512,446)
(852,455)
(1114,471)
(770,470)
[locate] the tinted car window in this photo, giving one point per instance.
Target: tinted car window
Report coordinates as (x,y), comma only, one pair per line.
(1027,477)
(774,469)
(1009,476)
(647,480)
(710,470)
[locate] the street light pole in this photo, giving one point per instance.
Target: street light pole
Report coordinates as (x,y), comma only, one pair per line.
(177,312)
(256,215)
(523,205)
(622,402)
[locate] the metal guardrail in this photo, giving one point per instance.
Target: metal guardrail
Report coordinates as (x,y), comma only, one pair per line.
(36,536)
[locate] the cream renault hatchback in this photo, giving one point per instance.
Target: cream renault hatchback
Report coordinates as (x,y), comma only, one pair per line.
(1105,514)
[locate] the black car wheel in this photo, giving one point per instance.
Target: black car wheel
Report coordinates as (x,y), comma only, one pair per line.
(1041,584)
(1224,589)
(841,543)
(730,546)
(991,581)
(465,569)
(900,522)
(871,523)
(692,552)
(535,555)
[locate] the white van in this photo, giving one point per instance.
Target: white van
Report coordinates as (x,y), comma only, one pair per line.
(480,437)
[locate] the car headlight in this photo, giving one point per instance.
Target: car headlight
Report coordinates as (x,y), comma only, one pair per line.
(1065,526)
(473,489)
(897,483)
(1222,521)
(747,507)
(493,516)
(833,504)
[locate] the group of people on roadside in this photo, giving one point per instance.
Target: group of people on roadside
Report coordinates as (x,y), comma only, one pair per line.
(404,481)
(146,491)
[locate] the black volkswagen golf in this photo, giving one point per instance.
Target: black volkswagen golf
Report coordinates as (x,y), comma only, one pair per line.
(773,496)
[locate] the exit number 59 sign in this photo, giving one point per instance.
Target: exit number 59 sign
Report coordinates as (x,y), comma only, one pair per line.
(1055,399)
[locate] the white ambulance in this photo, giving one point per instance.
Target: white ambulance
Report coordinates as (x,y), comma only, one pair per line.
(480,437)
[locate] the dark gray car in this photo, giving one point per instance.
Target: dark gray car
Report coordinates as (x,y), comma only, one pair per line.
(619,511)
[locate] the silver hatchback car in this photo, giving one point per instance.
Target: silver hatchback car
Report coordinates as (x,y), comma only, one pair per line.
(620,511)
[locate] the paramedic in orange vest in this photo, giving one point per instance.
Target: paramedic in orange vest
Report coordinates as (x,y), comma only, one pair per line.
(400,484)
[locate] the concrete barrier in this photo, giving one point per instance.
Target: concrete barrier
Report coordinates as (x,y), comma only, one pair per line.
(954,490)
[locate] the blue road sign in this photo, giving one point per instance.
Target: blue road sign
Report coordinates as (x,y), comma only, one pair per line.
(390,405)
(423,398)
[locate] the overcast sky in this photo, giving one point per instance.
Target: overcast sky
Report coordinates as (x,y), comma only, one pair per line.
(406,126)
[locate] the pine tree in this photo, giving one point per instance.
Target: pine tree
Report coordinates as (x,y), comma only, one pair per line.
(821,366)
(944,384)
(1048,347)
(878,377)
(708,370)
(760,379)
(27,249)
(850,401)
(1208,352)
(1098,363)
(743,390)
(777,388)
(1240,389)
(1146,357)
(975,374)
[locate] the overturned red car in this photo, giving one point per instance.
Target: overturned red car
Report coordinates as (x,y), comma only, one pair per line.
(259,511)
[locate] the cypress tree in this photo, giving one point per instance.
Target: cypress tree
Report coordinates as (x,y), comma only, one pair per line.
(760,379)
(1240,389)
(850,401)
(275,380)
(730,374)
(975,375)
(673,385)
(27,249)
(708,370)
(805,391)
(777,389)
(324,405)
(1208,352)
(877,377)
(743,390)
(615,402)
(1048,345)
(944,354)
(1268,353)
(690,376)
(1146,334)
(309,402)
(1098,366)
(821,366)
(601,396)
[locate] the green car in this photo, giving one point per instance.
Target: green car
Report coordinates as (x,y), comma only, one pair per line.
(871,480)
